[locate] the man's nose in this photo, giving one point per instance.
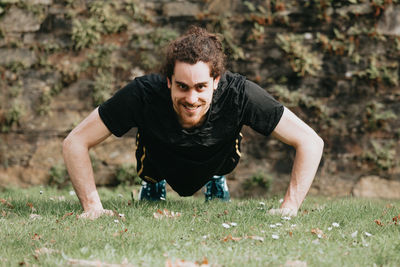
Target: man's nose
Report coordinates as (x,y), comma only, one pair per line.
(191,97)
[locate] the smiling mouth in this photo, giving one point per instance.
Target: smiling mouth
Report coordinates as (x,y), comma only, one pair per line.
(190,108)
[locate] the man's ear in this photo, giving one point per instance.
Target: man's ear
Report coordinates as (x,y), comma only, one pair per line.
(169,83)
(216,82)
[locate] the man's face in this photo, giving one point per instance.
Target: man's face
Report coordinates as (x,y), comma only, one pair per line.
(192,90)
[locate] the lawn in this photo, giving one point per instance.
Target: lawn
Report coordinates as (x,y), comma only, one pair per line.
(39,227)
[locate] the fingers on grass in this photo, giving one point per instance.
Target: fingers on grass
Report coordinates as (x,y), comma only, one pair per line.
(94,214)
(283,212)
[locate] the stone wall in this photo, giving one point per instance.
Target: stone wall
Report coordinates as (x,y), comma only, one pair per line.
(334,63)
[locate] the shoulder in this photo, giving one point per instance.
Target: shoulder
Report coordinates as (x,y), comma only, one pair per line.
(230,80)
(238,84)
(150,85)
(230,85)
(150,81)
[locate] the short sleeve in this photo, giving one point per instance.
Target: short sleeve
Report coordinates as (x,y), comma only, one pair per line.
(262,112)
(122,111)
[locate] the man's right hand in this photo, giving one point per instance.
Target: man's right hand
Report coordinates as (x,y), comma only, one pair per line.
(283,212)
(94,214)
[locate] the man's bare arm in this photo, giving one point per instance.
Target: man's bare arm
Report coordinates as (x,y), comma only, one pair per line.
(90,132)
(309,146)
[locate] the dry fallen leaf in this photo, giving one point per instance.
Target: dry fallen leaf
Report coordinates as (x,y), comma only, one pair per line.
(66,215)
(231,238)
(183,263)
(166,214)
(389,205)
(30,205)
(253,237)
(378,222)
(204,261)
(120,232)
(318,232)
(36,237)
(396,219)
(5,202)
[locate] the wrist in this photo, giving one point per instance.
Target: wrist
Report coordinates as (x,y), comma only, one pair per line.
(290,204)
(92,202)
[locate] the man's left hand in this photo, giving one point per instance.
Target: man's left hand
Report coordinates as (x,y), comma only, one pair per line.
(283,212)
(94,214)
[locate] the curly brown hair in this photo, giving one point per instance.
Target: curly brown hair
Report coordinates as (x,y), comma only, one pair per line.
(197,44)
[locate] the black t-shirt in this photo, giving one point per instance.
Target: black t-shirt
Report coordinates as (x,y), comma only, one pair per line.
(187,159)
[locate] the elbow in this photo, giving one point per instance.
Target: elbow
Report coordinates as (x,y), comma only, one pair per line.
(313,143)
(316,143)
(67,143)
(70,143)
(320,143)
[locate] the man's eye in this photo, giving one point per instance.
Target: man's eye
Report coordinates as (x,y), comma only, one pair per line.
(182,86)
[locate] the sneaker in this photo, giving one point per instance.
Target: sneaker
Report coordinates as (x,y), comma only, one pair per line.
(153,192)
(217,188)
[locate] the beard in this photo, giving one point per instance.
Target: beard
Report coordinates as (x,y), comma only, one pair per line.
(191,116)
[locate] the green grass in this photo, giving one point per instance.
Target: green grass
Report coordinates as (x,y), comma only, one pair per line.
(142,240)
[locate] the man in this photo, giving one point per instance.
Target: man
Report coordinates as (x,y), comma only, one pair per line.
(189,121)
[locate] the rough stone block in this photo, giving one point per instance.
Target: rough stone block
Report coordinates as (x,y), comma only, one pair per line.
(390,21)
(18,55)
(41,154)
(19,20)
(76,97)
(180,9)
(360,9)
(376,187)
(9,1)
(135,28)
(39,2)
(220,6)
